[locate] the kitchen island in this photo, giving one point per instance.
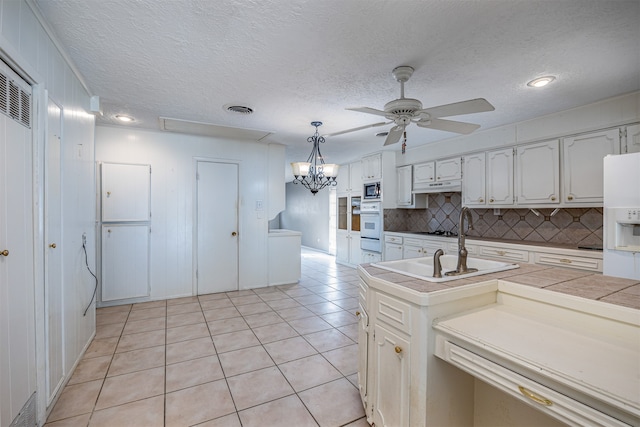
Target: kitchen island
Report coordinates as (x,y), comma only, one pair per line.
(537,345)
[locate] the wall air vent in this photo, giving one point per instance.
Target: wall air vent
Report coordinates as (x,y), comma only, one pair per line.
(15,102)
(240,109)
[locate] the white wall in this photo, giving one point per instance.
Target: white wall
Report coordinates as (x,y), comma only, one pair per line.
(172,159)
(27,47)
(308,214)
(607,113)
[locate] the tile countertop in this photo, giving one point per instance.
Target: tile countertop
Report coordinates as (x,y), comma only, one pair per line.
(594,286)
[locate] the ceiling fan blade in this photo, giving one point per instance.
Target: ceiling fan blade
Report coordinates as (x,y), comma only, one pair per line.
(478,105)
(356,129)
(448,125)
(394,135)
(368,111)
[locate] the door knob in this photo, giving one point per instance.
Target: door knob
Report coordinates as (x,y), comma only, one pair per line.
(53,245)
(233,233)
(4,253)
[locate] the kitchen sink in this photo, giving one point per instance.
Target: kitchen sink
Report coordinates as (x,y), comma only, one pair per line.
(422,268)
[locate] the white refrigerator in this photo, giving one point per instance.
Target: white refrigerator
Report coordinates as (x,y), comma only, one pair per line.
(621,227)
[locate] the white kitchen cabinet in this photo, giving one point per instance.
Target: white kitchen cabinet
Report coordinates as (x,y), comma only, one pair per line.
(348,248)
(392,251)
(372,167)
(417,248)
(349,180)
(538,173)
(125,261)
(632,139)
(363,353)
(404,195)
(424,173)
(125,192)
(499,188)
(582,170)
(370,257)
(437,171)
(474,180)
(449,169)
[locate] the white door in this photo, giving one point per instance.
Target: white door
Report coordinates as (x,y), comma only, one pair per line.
(217,227)
(17,323)
(125,261)
(53,292)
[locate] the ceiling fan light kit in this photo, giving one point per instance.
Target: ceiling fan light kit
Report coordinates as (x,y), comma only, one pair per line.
(404,111)
(315,174)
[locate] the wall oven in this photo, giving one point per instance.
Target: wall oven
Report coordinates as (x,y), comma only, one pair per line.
(370,227)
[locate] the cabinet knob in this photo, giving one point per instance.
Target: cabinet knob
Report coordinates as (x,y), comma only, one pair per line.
(398,349)
(52,246)
(234,234)
(5,252)
(491,200)
(357,313)
(565,261)
(569,197)
(481,200)
(553,198)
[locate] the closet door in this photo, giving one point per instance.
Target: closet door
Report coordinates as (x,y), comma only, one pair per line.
(125,192)
(125,261)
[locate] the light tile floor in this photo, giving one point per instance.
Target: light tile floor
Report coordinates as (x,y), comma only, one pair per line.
(277,356)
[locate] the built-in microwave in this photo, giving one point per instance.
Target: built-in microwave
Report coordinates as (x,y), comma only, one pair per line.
(371,191)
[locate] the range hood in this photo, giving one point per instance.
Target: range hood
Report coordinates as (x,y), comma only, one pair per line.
(440,187)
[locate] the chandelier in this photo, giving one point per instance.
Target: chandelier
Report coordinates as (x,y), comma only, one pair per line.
(315,174)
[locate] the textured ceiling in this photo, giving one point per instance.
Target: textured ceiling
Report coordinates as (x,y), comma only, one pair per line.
(295,61)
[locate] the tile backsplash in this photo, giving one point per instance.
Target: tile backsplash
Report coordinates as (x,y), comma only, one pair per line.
(575,226)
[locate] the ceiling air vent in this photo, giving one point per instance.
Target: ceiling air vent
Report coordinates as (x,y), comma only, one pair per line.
(15,102)
(240,109)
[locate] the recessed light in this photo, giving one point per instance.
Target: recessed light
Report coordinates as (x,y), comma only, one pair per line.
(541,81)
(123,118)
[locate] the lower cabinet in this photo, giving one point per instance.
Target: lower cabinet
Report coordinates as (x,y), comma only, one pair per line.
(391,373)
(125,261)
(363,354)
(348,248)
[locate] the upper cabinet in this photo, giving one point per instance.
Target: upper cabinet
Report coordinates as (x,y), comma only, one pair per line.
(473,185)
(372,167)
(582,165)
(404,194)
(440,170)
(349,179)
(500,177)
(538,173)
(632,139)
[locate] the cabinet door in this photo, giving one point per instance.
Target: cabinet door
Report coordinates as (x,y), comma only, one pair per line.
(582,171)
(632,139)
(125,192)
(391,376)
(538,173)
(342,185)
(473,180)
(409,251)
(372,167)
(355,178)
(392,252)
(125,261)
(342,245)
(423,173)
(499,184)
(363,355)
(404,179)
(355,253)
(448,169)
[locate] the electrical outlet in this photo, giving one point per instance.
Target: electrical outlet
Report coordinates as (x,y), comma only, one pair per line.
(84,238)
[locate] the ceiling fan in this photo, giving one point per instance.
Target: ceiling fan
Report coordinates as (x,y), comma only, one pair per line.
(403,111)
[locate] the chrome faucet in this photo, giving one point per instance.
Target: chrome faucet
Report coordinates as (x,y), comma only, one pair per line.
(461,267)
